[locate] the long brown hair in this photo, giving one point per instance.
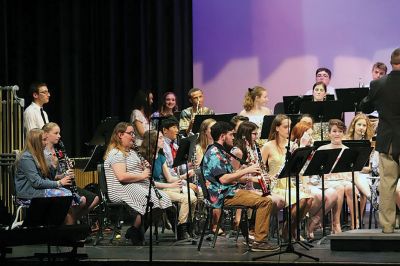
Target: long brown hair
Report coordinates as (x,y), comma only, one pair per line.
(273,134)
(162,110)
(250,96)
(115,141)
(34,145)
(148,146)
(244,133)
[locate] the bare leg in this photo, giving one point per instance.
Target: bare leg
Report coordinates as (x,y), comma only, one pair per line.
(348,191)
(337,210)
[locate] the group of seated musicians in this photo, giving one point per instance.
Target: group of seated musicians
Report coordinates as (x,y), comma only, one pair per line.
(128,169)
(39,174)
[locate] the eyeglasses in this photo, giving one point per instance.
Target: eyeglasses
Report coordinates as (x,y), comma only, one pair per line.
(323,76)
(45,92)
(130,133)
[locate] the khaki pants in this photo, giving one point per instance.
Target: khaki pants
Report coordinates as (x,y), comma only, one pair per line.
(263,207)
(182,200)
(389,172)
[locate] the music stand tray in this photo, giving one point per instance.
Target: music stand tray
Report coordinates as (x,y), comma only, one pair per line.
(267,122)
(104,130)
(95,158)
(185,150)
(351,97)
(322,111)
(291,104)
(198,119)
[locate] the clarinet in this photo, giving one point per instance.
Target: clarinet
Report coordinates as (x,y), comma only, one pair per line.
(264,184)
(65,164)
(251,160)
(143,162)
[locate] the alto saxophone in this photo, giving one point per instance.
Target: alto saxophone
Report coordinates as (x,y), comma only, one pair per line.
(199,111)
(143,163)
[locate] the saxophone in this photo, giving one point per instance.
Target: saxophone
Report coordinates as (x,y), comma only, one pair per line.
(199,111)
(143,163)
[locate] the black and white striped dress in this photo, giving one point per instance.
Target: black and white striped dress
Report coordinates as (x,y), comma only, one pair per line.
(134,194)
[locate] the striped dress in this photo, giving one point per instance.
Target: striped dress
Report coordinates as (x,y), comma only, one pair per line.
(134,194)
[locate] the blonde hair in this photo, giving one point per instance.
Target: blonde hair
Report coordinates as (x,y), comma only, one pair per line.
(34,145)
(250,96)
(203,141)
(49,126)
(115,141)
(369,133)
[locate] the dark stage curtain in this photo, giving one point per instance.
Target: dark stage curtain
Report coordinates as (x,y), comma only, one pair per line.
(94,55)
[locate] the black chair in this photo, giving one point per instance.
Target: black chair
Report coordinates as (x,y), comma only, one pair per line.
(108,207)
(207,203)
(279,108)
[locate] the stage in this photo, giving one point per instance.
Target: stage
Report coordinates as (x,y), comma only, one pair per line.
(226,251)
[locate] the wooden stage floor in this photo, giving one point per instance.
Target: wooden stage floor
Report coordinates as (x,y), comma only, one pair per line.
(227,251)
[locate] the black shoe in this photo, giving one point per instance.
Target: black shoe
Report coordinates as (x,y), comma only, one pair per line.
(135,235)
(183,232)
(264,246)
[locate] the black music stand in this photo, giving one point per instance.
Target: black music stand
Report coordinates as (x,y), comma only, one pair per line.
(353,159)
(351,97)
(184,154)
(322,111)
(293,167)
(291,104)
(103,131)
(321,163)
(267,122)
(177,115)
(198,119)
(95,158)
(50,211)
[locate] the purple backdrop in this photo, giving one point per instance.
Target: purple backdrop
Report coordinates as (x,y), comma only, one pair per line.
(279,44)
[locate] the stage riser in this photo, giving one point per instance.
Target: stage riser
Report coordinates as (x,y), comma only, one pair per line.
(365,245)
(365,240)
